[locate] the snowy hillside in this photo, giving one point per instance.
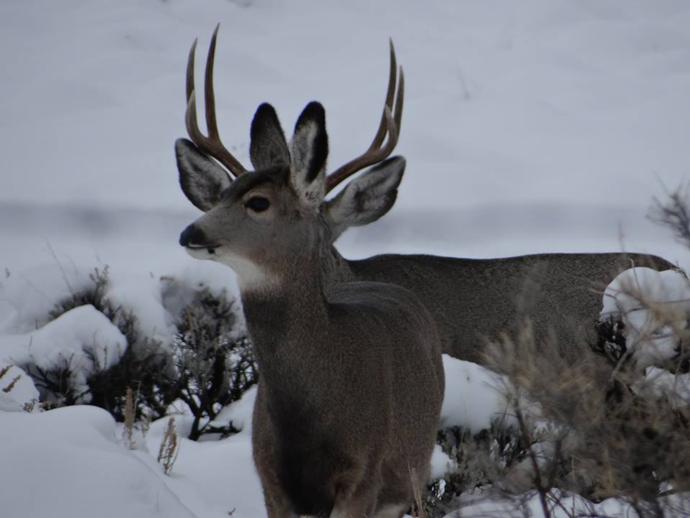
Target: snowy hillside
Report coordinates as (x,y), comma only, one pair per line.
(506,102)
(532,126)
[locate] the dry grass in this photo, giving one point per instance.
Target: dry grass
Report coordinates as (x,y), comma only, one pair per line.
(130,413)
(606,440)
(170,447)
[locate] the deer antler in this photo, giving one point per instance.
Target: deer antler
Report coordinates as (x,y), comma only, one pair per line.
(390,125)
(211,144)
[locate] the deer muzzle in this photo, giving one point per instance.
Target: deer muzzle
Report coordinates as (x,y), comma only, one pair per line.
(194,238)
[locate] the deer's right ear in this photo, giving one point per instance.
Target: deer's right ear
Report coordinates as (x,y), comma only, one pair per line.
(366,198)
(201,178)
(268,146)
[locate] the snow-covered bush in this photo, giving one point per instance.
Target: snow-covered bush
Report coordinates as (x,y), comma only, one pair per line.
(92,337)
(645,313)
(478,435)
(141,362)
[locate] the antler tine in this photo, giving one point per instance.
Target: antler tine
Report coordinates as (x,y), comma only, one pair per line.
(190,70)
(211,144)
(390,97)
(389,126)
(209,96)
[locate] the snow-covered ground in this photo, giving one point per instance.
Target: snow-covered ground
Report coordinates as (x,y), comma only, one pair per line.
(533,126)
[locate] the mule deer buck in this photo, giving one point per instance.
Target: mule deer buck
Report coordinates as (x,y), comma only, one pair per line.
(351,374)
(472,301)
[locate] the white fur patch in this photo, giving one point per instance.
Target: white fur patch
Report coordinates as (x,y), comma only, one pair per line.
(302,149)
(250,276)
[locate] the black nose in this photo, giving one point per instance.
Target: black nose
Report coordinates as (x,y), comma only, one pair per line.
(192,236)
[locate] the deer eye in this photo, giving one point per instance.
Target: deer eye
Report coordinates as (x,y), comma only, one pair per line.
(257,203)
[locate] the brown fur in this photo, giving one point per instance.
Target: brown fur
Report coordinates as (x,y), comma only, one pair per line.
(474,301)
(349,398)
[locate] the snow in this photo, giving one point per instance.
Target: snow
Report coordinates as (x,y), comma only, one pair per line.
(214,477)
(440,463)
(17,390)
(559,504)
(240,413)
(82,338)
(505,102)
(475,396)
(27,296)
(653,307)
(68,462)
(142,295)
(659,382)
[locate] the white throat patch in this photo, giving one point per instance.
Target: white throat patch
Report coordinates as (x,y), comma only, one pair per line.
(250,276)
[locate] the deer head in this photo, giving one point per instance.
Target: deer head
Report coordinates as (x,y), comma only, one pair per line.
(262,220)
(208,170)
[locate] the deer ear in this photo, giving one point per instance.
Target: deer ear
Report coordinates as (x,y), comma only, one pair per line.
(268,146)
(366,198)
(309,153)
(201,178)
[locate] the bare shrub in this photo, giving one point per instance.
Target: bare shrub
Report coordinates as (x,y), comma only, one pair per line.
(674,214)
(479,461)
(55,384)
(215,365)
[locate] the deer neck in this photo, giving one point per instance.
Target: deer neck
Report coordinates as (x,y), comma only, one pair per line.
(335,268)
(288,325)
(286,317)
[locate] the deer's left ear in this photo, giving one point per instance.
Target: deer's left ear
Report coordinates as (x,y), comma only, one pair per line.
(366,198)
(308,155)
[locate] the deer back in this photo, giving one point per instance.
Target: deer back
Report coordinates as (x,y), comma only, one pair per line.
(475,301)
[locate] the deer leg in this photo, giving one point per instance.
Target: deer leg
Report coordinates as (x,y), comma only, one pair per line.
(277,505)
(352,510)
(360,503)
(276,510)
(391,511)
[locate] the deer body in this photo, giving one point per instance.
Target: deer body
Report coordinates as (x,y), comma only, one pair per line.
(474,301)
(339,422)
